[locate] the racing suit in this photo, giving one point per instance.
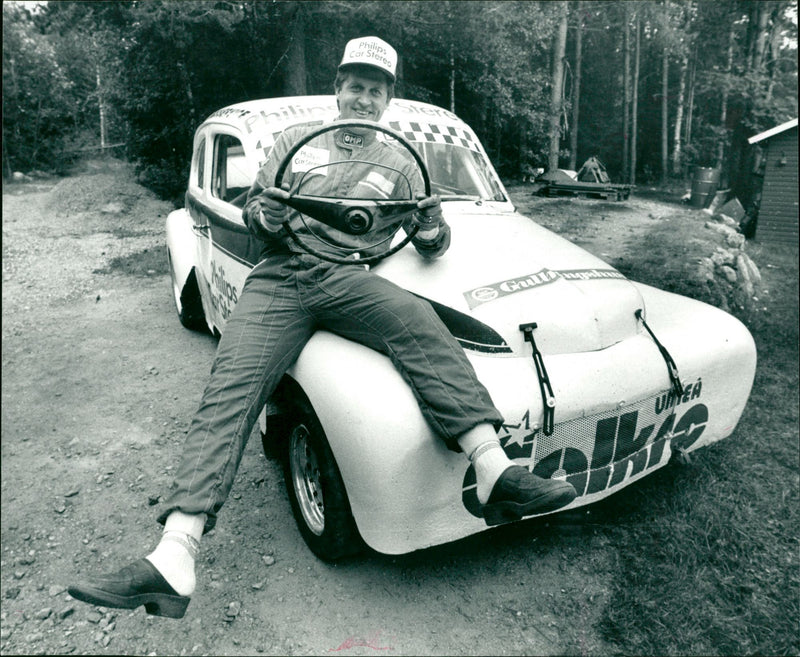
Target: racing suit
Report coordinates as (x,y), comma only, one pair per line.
(289,295)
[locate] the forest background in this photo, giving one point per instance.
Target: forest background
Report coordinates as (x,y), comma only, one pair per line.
(653,89)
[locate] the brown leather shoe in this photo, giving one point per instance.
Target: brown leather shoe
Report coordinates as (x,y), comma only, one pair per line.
(134,585)
(518,493)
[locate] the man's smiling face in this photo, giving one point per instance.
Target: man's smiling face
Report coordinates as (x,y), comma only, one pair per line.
(363,95)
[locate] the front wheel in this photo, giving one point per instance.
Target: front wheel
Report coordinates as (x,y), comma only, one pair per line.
(187,300)
(316,490)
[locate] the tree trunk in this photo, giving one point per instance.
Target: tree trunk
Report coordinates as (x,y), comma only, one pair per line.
(723,119)
(576,90)
(687,132)
(664,118)
(452,62)
(452,79)
(102,108)
(635,99)
(187,88)
(626,89)
(677,152)
(296,59)
(556,98)
(761,35)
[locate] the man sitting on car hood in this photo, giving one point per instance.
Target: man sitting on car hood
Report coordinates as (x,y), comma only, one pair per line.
(288,296)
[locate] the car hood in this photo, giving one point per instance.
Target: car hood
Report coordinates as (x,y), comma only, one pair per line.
(503,270)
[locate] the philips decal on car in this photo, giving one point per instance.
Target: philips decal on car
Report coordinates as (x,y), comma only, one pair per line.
(224,295)
(289,115)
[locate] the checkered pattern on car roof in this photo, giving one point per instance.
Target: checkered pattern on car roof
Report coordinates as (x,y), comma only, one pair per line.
(432,132)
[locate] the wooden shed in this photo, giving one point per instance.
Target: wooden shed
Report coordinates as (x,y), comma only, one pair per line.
(778,214)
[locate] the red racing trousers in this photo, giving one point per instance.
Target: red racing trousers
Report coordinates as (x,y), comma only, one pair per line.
(284,300)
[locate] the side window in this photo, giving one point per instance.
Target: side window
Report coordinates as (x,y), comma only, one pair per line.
(231,176)
(200,163)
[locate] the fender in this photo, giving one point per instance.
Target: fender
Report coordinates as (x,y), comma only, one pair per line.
(181,243)
(383,446)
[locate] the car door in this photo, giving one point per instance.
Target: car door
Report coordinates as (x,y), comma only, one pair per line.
(195,204)
(232,251)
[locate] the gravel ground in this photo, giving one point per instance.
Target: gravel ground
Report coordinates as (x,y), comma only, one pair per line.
(99,383)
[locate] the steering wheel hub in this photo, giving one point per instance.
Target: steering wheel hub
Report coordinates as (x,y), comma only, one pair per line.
(358,220)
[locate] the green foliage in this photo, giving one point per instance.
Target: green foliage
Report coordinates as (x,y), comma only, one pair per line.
(38,96)
(155,69)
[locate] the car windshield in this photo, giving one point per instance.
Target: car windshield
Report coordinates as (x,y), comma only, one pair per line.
(456,164)
(459,172)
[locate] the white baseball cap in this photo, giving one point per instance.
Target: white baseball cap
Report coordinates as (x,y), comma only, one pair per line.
(371,51)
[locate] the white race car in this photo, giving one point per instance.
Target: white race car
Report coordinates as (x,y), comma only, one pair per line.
(600,379)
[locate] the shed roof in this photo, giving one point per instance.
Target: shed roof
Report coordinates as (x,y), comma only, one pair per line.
(772,131)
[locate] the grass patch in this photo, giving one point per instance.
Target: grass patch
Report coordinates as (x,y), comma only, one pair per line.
(708,553)
(147,262)
(666,257)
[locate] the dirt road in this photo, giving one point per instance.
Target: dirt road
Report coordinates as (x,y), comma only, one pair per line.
(99,382)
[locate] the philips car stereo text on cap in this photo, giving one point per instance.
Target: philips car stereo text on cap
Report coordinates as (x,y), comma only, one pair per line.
(371,51)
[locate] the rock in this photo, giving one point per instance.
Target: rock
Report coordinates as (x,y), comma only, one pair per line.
(12,592)
(723,257)
(5,633)
(726,220)
(743,261)
(66,612)
(745,284)
(43,614)
(93,617)
(232,611)
(72,493)
(115,207)
(732,237)
(728,273)
(55,590)
(735,240)
(268,559)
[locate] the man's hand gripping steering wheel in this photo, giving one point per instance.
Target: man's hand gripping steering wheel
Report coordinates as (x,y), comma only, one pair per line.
(352,216)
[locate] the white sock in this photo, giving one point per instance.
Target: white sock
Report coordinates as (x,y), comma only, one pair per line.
(482,447)
(175,555)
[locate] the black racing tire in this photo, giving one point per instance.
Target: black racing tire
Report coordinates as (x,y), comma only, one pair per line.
(188,303)
(314,484)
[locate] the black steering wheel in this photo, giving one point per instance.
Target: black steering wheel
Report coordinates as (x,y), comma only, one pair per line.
(352,216)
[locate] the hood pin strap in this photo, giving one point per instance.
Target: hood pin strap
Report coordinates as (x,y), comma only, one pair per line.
(548,399)
(671,366)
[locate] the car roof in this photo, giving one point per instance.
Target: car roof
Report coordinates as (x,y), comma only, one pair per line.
(261,121)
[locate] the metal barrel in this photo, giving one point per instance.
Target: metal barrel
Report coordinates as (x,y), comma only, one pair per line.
(704,186)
